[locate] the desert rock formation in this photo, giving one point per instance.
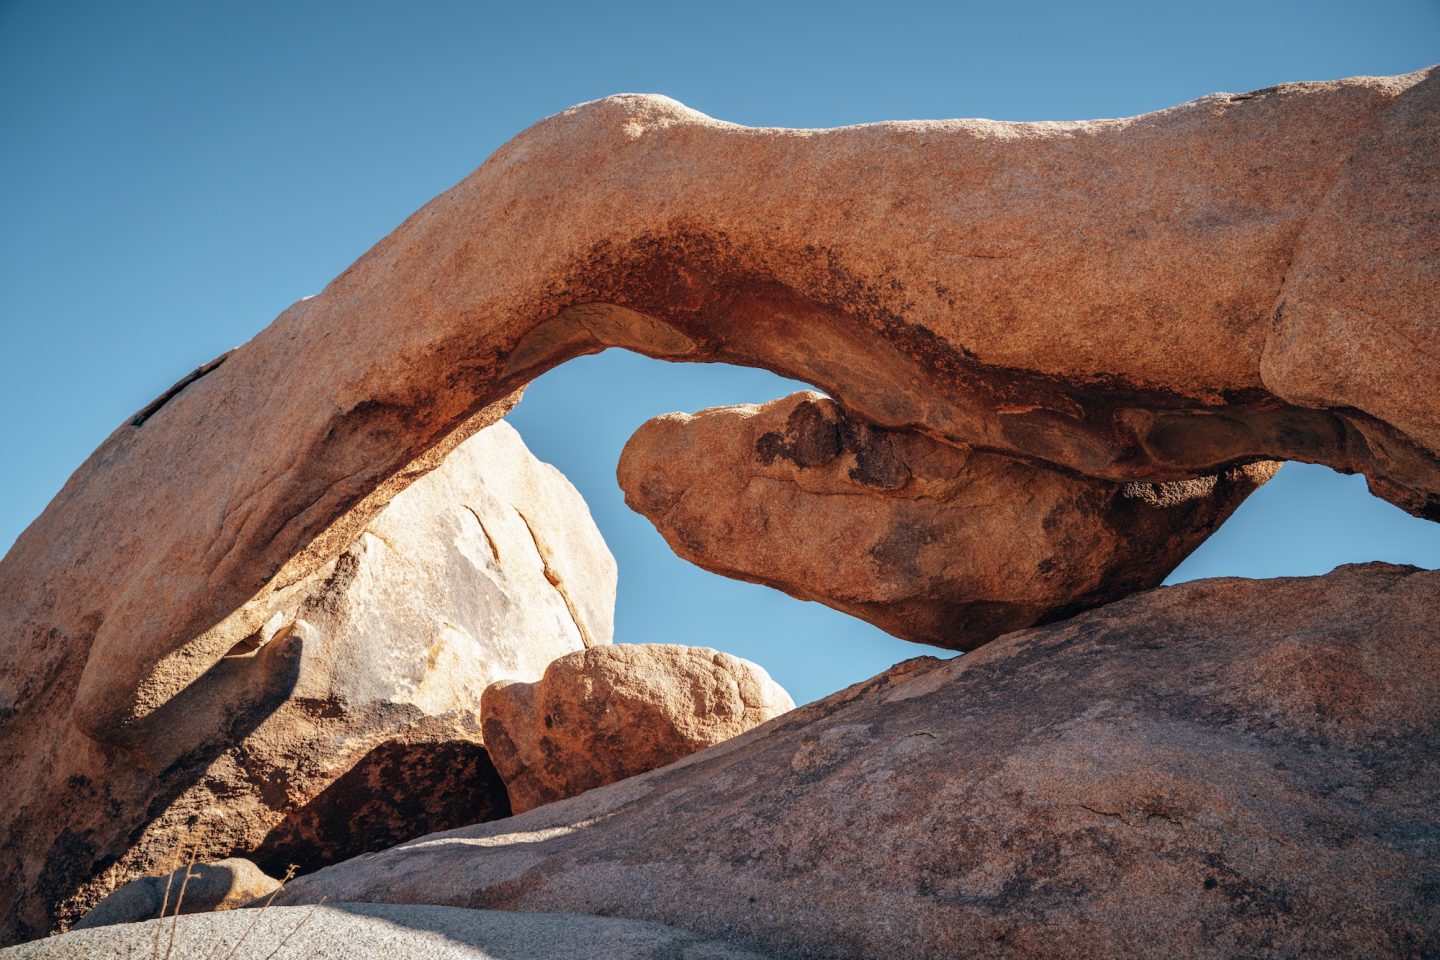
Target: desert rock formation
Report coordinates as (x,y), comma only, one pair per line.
(1223,768)
(348,720)
(1151,299)
(928,541)
(601,715)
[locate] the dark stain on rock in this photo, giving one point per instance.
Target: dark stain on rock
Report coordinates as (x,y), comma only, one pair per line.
(811,439)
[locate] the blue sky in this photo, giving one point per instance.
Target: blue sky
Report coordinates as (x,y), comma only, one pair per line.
(175,174)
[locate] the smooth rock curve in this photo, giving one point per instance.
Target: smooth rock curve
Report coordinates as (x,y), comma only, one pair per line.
(370,931)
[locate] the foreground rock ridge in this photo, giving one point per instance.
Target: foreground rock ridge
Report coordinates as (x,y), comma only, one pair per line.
(374,931)
(1153,299)
(601,715)
(929,541)
(348,722)
(1224,768)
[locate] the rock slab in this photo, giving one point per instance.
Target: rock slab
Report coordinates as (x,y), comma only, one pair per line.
(1218,769)
(930,541)
(601,715)
(369,931)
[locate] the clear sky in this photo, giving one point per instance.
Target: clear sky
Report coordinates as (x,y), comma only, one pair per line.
(172,175)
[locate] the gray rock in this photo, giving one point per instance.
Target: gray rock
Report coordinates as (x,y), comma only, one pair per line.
(200,888)
(372,931)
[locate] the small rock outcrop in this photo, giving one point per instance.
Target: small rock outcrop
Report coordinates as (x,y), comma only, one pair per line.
(199,888)
(601,715)
(372,931)
(929,541)
(1220,769)
(348,719)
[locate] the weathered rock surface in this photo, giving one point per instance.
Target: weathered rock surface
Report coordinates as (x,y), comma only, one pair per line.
(601,715)
(1154,298)
(348,720)
(372,931)
(929,541)
(1223,768)
(198,888)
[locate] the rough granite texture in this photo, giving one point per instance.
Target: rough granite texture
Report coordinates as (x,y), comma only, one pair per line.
(931,542)
(1226,768)
(372,931)
(349,720)
(1239,278)
(601,715)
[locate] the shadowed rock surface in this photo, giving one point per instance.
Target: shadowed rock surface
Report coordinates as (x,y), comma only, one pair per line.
(1223,768)
(348,720)
(926,540)
(371,931)
(200,888)
(1238,278)
(601,715)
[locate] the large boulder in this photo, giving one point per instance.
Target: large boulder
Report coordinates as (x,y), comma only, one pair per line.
(608,713)
(930,541)
(349,719)
(1150,299)
(371,931)
(196,888)
(1219,769)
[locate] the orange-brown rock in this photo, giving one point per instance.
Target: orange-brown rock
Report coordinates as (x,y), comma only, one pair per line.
(930,541)
(1221,769)
(348,721)
(604,714)
(1153,298)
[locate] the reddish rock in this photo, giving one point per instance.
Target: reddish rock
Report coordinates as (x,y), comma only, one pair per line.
(601,715)
(930,541)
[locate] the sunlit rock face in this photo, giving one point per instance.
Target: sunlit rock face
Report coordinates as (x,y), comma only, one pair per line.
(604,714)
(1225,768)
(927,540)
(1150,299)
(350,720)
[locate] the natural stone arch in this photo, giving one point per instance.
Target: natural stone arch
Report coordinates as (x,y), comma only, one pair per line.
(1127,299)
(1045,290)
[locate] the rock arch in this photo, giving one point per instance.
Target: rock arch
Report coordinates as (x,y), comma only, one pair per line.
(1238,278)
